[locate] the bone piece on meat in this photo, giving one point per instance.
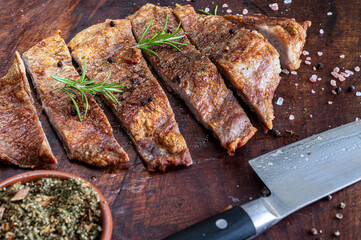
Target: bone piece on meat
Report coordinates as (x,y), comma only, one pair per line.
(144,111)
(91,140)
(195,79)
(22,139)
(285,34)
(245,58)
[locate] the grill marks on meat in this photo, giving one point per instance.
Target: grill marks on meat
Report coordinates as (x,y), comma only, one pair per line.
(91,140)
(196,80)
(144,109)
(285,34)
(22,139)
(246,59)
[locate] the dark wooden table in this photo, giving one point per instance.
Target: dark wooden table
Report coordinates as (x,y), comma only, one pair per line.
(153,205)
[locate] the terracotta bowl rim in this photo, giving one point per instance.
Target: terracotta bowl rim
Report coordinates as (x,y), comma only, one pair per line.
(107,221)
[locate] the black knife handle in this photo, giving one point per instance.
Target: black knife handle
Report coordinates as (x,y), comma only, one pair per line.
(234,223)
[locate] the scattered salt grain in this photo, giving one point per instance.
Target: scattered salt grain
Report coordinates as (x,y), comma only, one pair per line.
(279,101)
(285,71)
(307,62)
(206,9)
(329,13)
(330,102)
(229,10)
(304,52)
(349,72)
(336,69)
(341,78)
(342,56)
(358,94)
(225,5)
(333,83)
(314,68)
(313,78)
(334,92)
(294,73)
(319,79)
(321,31)
(320,53)
(292,117)
(245,11)
(311,116)
(313,91)
(273,6)
(288,1)
(357,69)
(335,74)
(308,58)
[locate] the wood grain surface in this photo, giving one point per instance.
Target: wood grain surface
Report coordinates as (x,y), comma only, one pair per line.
(154,205)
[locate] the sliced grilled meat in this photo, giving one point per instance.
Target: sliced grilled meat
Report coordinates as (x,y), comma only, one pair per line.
(246,59)
(285,34)
(195,79)
(91,140)
(144,110)
(22,139)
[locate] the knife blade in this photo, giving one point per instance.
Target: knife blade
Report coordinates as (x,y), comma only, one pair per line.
(297,175)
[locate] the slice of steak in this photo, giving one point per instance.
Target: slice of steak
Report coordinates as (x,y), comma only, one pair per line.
(195,79)
(285,34)
(22,139)
(246,59)
(91,140)
(144,110)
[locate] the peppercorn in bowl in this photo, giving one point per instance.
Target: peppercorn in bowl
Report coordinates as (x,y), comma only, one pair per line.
(52,205)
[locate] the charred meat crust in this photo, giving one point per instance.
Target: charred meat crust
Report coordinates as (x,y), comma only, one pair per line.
(144,111)
(196,80)
(22,139)
(91,140)
(249,63)
(285,34)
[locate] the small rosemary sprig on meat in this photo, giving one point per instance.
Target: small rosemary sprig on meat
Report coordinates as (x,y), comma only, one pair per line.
(207,13)
(83,85)
(160,39)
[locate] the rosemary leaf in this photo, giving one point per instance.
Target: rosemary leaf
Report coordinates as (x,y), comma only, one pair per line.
(82,86)
(207,13)
(160,39)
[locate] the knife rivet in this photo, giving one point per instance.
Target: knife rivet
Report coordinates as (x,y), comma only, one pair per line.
(221,223)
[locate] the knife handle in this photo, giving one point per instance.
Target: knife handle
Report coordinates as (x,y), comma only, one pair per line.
(241,222)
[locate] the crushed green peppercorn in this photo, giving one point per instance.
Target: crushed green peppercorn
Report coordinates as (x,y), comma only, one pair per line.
(52,209)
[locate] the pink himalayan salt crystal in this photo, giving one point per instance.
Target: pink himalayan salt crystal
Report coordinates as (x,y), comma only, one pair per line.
(336,69)
(274,6)
(304,52)
(333,83)
(245,11)
(225,5)
(320,53)
(312,79)
(357,69)
(307,62)
(308,58)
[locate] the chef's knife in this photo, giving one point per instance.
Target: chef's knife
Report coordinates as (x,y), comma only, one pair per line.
(297,175)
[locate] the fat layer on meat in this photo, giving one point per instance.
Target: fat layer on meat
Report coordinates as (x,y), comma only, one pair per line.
(144,110)
(91,140)
(195,79)
(285,34)
(246,59)
(22,139)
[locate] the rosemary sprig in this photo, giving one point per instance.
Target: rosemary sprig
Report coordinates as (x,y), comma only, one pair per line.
(83,85)
(207,13)
(160,39)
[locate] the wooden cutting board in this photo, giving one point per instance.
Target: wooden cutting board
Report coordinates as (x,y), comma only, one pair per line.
(153,205)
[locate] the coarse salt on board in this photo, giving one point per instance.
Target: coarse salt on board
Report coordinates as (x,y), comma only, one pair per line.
(279,101)
(273,6)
